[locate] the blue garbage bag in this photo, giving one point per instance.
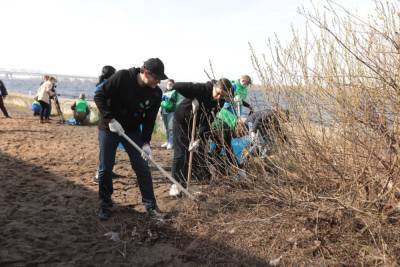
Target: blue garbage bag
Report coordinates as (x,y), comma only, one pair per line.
(238,145)
(36,108)
(71,121)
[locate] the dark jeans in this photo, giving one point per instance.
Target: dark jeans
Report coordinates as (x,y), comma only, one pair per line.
(181,155)
(48,113)
(2,107)
(108,142)
(180,161)
(44,113)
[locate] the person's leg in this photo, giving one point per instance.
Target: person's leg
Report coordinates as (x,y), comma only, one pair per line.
(200,169)
(142,171)
(108,143)
(48,110)
(79,117)
(46,114)
(3,108)
(181,143)
(164,117)
(43,111)
(170,124)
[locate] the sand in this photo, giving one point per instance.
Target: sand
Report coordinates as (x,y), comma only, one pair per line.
(49,201)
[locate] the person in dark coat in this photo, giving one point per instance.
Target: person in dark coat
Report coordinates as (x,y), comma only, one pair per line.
(206,99)
(128,104)
(3,95)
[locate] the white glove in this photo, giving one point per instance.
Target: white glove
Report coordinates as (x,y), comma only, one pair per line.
(146,154)
(195,105)
(236,98)
(194,145)
(253,137)
(116,127)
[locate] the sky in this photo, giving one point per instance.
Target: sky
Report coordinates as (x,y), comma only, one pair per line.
(78,37)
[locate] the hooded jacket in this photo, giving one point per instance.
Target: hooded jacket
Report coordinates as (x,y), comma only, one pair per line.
(123,99)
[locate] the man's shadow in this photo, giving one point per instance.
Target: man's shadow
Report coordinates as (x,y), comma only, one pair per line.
(49,220)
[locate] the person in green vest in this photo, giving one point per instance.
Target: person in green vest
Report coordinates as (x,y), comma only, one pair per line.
(240,92)
(170,100)
(81,109)
(222,131)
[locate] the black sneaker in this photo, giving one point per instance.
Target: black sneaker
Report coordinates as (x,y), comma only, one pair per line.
(104,213)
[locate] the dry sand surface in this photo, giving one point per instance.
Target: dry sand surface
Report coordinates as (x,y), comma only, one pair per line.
(49,202)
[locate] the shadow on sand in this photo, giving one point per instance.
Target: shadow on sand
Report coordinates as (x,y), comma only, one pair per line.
(47,220)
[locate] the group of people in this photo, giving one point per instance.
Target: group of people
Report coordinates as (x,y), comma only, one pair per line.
(194,114)
(42,104)
(129,101)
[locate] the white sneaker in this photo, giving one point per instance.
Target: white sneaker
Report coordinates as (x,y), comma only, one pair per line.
(174,191)
(170,146)
(164,145)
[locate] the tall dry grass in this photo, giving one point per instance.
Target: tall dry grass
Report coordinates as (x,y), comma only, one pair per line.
(340,79)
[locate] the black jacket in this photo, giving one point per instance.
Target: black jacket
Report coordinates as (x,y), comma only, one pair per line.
(208,106)
(267,122)
(3,90)
(123,99)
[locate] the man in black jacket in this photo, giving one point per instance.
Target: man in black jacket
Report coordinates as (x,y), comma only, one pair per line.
(207,98)
(3,94)
(129,102)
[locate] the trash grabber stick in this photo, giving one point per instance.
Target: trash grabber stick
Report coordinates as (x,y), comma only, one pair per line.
(238,109)
(189,176)
(159,167)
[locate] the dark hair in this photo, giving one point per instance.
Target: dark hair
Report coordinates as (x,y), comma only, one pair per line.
(224,84)
(171,80)
(106,72)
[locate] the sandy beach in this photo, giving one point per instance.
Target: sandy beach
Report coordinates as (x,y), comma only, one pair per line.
(48,205)
(48,200)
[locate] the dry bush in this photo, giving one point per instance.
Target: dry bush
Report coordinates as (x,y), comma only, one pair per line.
(340,80)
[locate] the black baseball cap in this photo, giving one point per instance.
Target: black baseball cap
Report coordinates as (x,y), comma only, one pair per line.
(156,67)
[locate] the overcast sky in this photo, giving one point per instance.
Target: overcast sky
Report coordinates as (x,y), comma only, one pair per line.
(80,36)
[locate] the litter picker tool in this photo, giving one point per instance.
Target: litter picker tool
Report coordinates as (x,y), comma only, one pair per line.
(186,192)
(195,105)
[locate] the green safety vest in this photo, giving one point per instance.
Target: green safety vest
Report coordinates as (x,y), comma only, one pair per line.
(170,103)
(225,116)
(81,105)
(241,90)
